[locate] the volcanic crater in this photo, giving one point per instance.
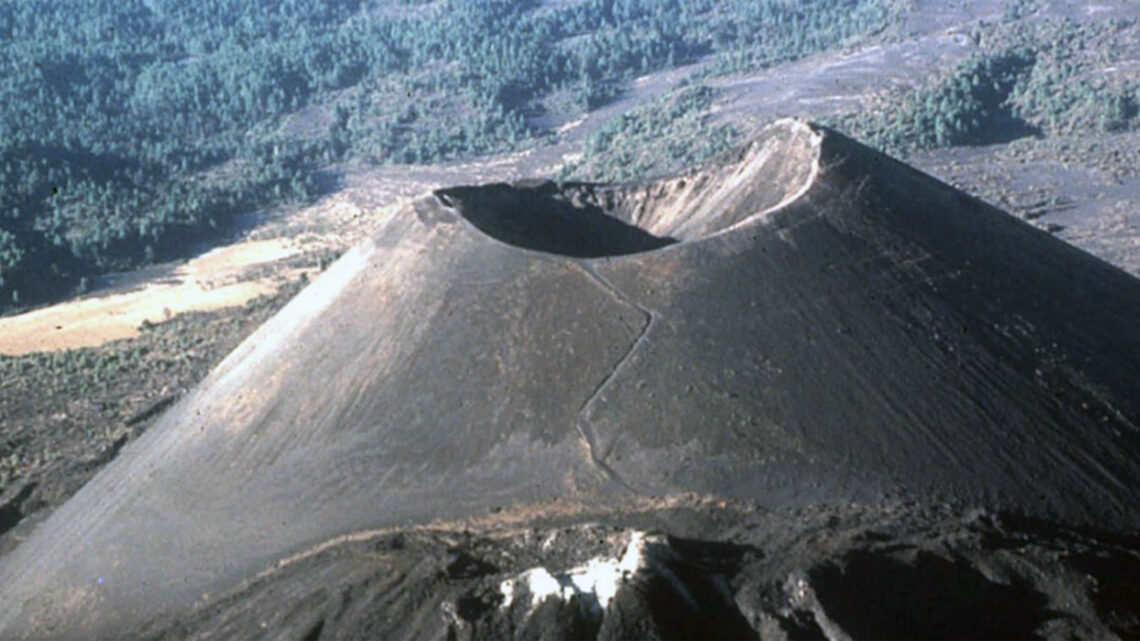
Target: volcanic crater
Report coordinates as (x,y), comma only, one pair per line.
(798,366)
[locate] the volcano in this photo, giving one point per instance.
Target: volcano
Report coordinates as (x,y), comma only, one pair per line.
(786,392)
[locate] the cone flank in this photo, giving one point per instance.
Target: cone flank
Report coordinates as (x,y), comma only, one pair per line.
(800,322)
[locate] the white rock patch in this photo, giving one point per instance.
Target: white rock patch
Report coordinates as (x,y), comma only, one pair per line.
(594,583)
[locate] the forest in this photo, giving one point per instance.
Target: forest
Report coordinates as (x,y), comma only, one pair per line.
(133,129)
(663,135)
(1034,80)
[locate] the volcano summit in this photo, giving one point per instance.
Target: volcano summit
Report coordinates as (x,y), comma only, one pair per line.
(825,384)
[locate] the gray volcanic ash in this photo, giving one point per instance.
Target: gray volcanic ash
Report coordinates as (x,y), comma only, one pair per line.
(803,336)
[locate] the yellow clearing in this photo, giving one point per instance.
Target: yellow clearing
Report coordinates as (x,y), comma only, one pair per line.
(208,282)
(214,280)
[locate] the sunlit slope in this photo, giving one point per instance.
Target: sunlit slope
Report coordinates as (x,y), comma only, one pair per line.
(802,321)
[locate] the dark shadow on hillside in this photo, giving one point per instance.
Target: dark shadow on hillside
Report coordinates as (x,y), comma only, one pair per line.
(1116,593)
(540,218)
(327,181)
(871,596)
(1000,129)
(13,509)
(1116,565)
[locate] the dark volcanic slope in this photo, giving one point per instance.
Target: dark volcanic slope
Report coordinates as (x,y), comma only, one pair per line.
(805,322)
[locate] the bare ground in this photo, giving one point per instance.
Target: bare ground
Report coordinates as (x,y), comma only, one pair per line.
(63,419)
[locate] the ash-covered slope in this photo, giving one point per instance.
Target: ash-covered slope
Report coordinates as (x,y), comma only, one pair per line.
(802,323)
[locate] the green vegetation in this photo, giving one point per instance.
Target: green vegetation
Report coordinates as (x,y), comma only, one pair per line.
(1018,9)
(129,128)
(666,134)
(1037,79)
(1066,91)
(969,106)
(766,33)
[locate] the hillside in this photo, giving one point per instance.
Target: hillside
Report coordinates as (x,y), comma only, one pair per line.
(171,176)
(803,326)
